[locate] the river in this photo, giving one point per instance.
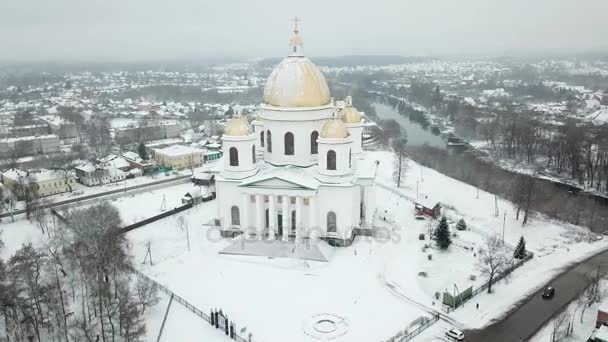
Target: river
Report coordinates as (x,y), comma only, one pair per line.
(554,199)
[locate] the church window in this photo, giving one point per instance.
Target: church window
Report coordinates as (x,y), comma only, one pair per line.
(314,146)
(268,141)
(289,144)
(235,216)
(292,200)
(350,158)
(234,156)
(306,201)
(262,138)
(332,226)
(253,153)
(331,160)
(293,220)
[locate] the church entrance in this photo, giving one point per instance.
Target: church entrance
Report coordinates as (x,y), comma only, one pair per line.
(280,224)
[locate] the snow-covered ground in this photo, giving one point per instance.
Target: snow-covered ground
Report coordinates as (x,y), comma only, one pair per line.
(374,284)
(370,276)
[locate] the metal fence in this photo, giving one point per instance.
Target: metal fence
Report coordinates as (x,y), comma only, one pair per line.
(408,336)
(233,335)
(496,279)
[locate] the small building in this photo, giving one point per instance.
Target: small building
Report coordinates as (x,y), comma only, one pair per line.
(602,316)
(203,178)
(427,207)
(179,157)
(136,162)
(45,182)
(211,155)
(91,174)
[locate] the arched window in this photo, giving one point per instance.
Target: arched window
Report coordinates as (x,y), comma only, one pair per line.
(288,144)
(331,160)
(293,220)
(253,153)
(234,156)
(268,141)
(332,226)
(262,138)
(235,216)
(314,146)
(267,218)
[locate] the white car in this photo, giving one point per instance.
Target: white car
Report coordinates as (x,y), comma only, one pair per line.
(455,334)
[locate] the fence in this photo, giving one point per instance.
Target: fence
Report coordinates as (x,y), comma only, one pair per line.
(232,332)
(404,337)
(496,279)
(157,217)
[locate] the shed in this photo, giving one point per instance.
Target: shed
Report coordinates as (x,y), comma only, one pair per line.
(427,207)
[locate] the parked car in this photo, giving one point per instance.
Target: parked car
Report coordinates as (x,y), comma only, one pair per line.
(455,334)
(548,293)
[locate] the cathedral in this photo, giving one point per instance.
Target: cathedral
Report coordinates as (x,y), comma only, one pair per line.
(298,171)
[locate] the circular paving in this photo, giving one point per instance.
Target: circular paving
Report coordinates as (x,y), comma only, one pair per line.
(326,326)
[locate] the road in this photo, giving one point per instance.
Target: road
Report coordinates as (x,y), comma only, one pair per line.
(533,312)
(128,190)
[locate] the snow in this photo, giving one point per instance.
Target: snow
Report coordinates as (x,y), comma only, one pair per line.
(177,150)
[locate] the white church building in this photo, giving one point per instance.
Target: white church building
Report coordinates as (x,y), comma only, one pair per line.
(298,170)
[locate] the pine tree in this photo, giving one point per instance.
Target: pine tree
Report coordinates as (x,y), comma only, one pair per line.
(141,150)
(461,225)
(442,234)
(520,250)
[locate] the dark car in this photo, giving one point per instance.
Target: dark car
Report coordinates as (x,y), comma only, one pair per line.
(548,293)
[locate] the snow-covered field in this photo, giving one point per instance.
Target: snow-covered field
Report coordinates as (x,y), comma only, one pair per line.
(374,284)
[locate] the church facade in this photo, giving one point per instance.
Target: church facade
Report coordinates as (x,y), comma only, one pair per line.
(298,171)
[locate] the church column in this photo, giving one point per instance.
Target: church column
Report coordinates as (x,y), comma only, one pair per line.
(245,219)
(312,218)
(286,225)
(299,213)
(272,216)
(259,215)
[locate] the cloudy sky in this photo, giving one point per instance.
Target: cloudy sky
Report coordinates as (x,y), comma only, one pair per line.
(128,30)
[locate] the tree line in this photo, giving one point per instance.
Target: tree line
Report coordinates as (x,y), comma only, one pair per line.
(77,285)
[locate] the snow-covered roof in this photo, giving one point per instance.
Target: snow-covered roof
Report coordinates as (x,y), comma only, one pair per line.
(177,150)
(36,176)
(601,333)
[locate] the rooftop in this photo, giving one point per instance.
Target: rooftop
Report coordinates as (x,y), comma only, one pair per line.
(177,150)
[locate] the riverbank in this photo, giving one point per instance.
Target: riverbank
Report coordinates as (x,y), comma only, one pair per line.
(546,196)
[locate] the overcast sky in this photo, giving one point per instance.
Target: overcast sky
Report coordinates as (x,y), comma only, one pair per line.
(131,30)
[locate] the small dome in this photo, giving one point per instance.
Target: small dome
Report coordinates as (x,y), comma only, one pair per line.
(238,126)
(350,114)
(334,129)
(296,82)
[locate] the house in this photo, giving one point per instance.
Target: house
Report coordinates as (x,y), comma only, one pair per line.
(45,182)
(198,195)
(212,155)
(113,161)
(29,145)
(602,316)
(91,174)
(136,162)
(427,207)
(203,178)
(178,157)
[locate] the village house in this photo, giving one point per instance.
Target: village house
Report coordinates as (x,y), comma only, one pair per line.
(45,182)
(136,162)
(178,157)
(427,207)
(90,174)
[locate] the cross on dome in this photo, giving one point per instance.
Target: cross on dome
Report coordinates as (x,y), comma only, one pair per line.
(295,42)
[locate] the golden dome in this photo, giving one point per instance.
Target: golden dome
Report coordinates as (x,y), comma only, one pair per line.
(296,82)
(334,129)
(350,114)
(238,126)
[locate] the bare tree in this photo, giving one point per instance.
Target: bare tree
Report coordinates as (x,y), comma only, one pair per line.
(493,259)
(399,148)
(147,294)
(560,326)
